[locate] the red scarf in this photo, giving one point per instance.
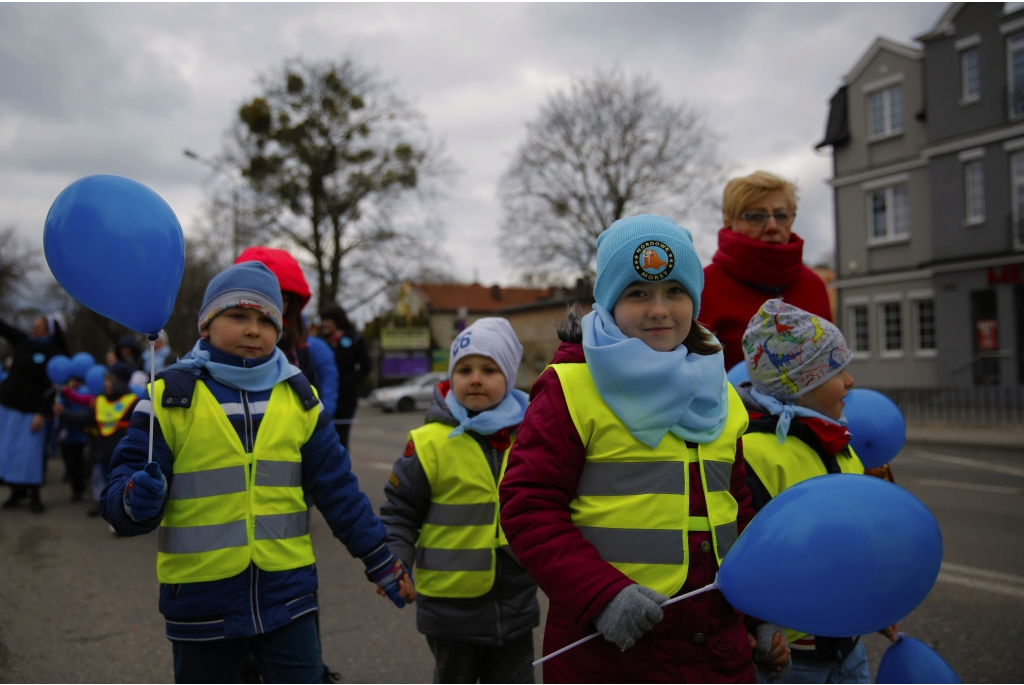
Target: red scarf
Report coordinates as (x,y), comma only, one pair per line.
(832,436)
(760,264)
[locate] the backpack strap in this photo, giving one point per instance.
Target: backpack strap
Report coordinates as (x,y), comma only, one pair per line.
(767,423)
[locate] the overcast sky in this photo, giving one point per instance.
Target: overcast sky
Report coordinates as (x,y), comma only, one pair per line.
(123,88)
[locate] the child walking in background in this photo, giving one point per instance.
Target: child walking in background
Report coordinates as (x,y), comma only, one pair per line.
(476,604)
(240,446)
(627,486)
(797,364)
(75,421)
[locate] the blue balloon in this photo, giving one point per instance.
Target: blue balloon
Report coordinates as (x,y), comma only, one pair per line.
(58,369)
(856,554)
(877,428)
(94,379)
(116,247)
(138,390)
(738,374)
(80,363)
(912,661)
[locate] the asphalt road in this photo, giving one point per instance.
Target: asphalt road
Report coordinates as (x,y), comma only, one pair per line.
(80,605)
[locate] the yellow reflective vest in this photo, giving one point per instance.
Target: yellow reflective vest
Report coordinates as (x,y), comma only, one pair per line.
(228,507)
(455,555)
(110,415)
(632,500)
(783,466)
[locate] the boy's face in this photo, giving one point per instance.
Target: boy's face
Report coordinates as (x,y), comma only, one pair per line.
(828,397)
(478,382)
(660,314)
(245,332)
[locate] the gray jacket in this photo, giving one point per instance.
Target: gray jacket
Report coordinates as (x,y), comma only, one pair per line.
(509,609)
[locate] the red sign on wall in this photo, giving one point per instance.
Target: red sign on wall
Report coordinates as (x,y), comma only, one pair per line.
(1011,274)
(988,334)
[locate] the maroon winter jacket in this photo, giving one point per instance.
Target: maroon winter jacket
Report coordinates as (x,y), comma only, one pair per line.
(701,640)
(744,274)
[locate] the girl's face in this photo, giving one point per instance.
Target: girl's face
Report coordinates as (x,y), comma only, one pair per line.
(828,397)
(245,332)
(478,382)
(660,314)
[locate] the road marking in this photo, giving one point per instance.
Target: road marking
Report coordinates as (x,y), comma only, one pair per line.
(974,487)
(973,463)
(980,579)
(384,466)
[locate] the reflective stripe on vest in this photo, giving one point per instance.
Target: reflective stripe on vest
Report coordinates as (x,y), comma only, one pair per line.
(782,466)
(110,416)
(228,508)
(632,500)
(456,547)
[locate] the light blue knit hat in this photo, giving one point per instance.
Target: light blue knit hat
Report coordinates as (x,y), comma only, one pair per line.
(647,248)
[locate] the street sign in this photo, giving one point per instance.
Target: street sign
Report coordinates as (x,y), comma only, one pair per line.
(407,338)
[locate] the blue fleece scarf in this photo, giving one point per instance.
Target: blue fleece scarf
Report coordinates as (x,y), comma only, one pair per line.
(655,392)
(509,412)
(786,411)
(263,375)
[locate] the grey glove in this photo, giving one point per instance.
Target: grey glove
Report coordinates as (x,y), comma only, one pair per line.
(632,612)
(764,633)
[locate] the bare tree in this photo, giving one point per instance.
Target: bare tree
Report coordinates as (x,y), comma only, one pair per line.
(609,147)
(334,159)
(17,262)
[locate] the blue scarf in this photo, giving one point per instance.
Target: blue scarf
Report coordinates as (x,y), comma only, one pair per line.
(264,373)
(786,411)
(509,412)
(655,392)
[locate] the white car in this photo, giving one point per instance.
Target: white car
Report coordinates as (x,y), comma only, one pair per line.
(416,393)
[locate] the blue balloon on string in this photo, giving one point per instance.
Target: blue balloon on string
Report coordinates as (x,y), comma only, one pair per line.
(105,222)
(58,369)
(857,572)
(912,661)
(738,374)
(80,363)
(876,424)
(94,379)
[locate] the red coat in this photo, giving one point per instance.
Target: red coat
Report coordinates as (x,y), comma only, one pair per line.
(744,274)
(285,267)
(543,470)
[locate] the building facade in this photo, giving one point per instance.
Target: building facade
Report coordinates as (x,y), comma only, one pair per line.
(928,179)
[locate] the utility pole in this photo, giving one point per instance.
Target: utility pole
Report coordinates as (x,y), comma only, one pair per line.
(220,169)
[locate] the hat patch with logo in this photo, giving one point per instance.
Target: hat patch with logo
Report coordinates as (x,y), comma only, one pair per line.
(653,260)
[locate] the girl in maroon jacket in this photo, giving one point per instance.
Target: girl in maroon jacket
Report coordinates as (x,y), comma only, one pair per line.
(626,484)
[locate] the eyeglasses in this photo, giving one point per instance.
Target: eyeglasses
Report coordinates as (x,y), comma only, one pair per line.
(760,219)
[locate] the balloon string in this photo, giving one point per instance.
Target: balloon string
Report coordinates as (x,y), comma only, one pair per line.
(152,385)
(680,598)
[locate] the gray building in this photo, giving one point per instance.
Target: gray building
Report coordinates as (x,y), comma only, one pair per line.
(928,179)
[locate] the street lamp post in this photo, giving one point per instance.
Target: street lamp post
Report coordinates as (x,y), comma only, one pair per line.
(219,169)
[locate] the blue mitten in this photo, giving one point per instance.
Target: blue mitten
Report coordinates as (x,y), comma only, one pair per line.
(384,569)
(144,495)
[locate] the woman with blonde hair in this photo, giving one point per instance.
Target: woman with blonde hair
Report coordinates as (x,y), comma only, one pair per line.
(759,257)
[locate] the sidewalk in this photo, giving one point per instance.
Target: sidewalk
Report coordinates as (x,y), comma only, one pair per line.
(997,435)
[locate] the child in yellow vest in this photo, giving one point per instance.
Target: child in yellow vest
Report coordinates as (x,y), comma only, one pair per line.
(476,604)
(626,485)
(240,445)
(797,365)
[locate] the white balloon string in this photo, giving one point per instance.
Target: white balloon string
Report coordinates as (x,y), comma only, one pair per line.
(152,385)
(680,598)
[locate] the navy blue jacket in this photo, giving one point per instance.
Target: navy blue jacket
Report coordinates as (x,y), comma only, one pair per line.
(255,601)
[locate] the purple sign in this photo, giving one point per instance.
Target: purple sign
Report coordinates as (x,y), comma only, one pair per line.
(404,364)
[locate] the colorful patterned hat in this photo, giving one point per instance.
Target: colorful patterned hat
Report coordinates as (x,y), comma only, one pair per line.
(790,352)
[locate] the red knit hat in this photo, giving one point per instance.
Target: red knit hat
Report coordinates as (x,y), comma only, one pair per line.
(284,266)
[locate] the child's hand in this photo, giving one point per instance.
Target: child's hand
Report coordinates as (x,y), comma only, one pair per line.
(773,659)
(58,408)
(37,423)
(891,632)
(406,589)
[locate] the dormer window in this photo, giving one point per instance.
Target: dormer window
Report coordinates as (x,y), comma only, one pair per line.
(885,112)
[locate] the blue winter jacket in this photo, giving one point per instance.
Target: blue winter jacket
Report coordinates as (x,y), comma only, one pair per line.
(255,601)
(327,371)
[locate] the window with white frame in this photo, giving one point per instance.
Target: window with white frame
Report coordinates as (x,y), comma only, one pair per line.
(970,76)
(974,191)
(1015,72)
(891,315)
(889,213)
(1017,182)
(858,327)
(885,112)
(924,319)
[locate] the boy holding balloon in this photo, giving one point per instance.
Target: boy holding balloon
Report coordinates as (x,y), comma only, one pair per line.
(626,485)
(240,445)
(797,364)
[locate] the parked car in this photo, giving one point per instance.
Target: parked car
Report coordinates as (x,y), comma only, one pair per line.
(411,395)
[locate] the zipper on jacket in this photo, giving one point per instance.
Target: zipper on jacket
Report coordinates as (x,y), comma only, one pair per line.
(174,591)
(248,439)
(255,576)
